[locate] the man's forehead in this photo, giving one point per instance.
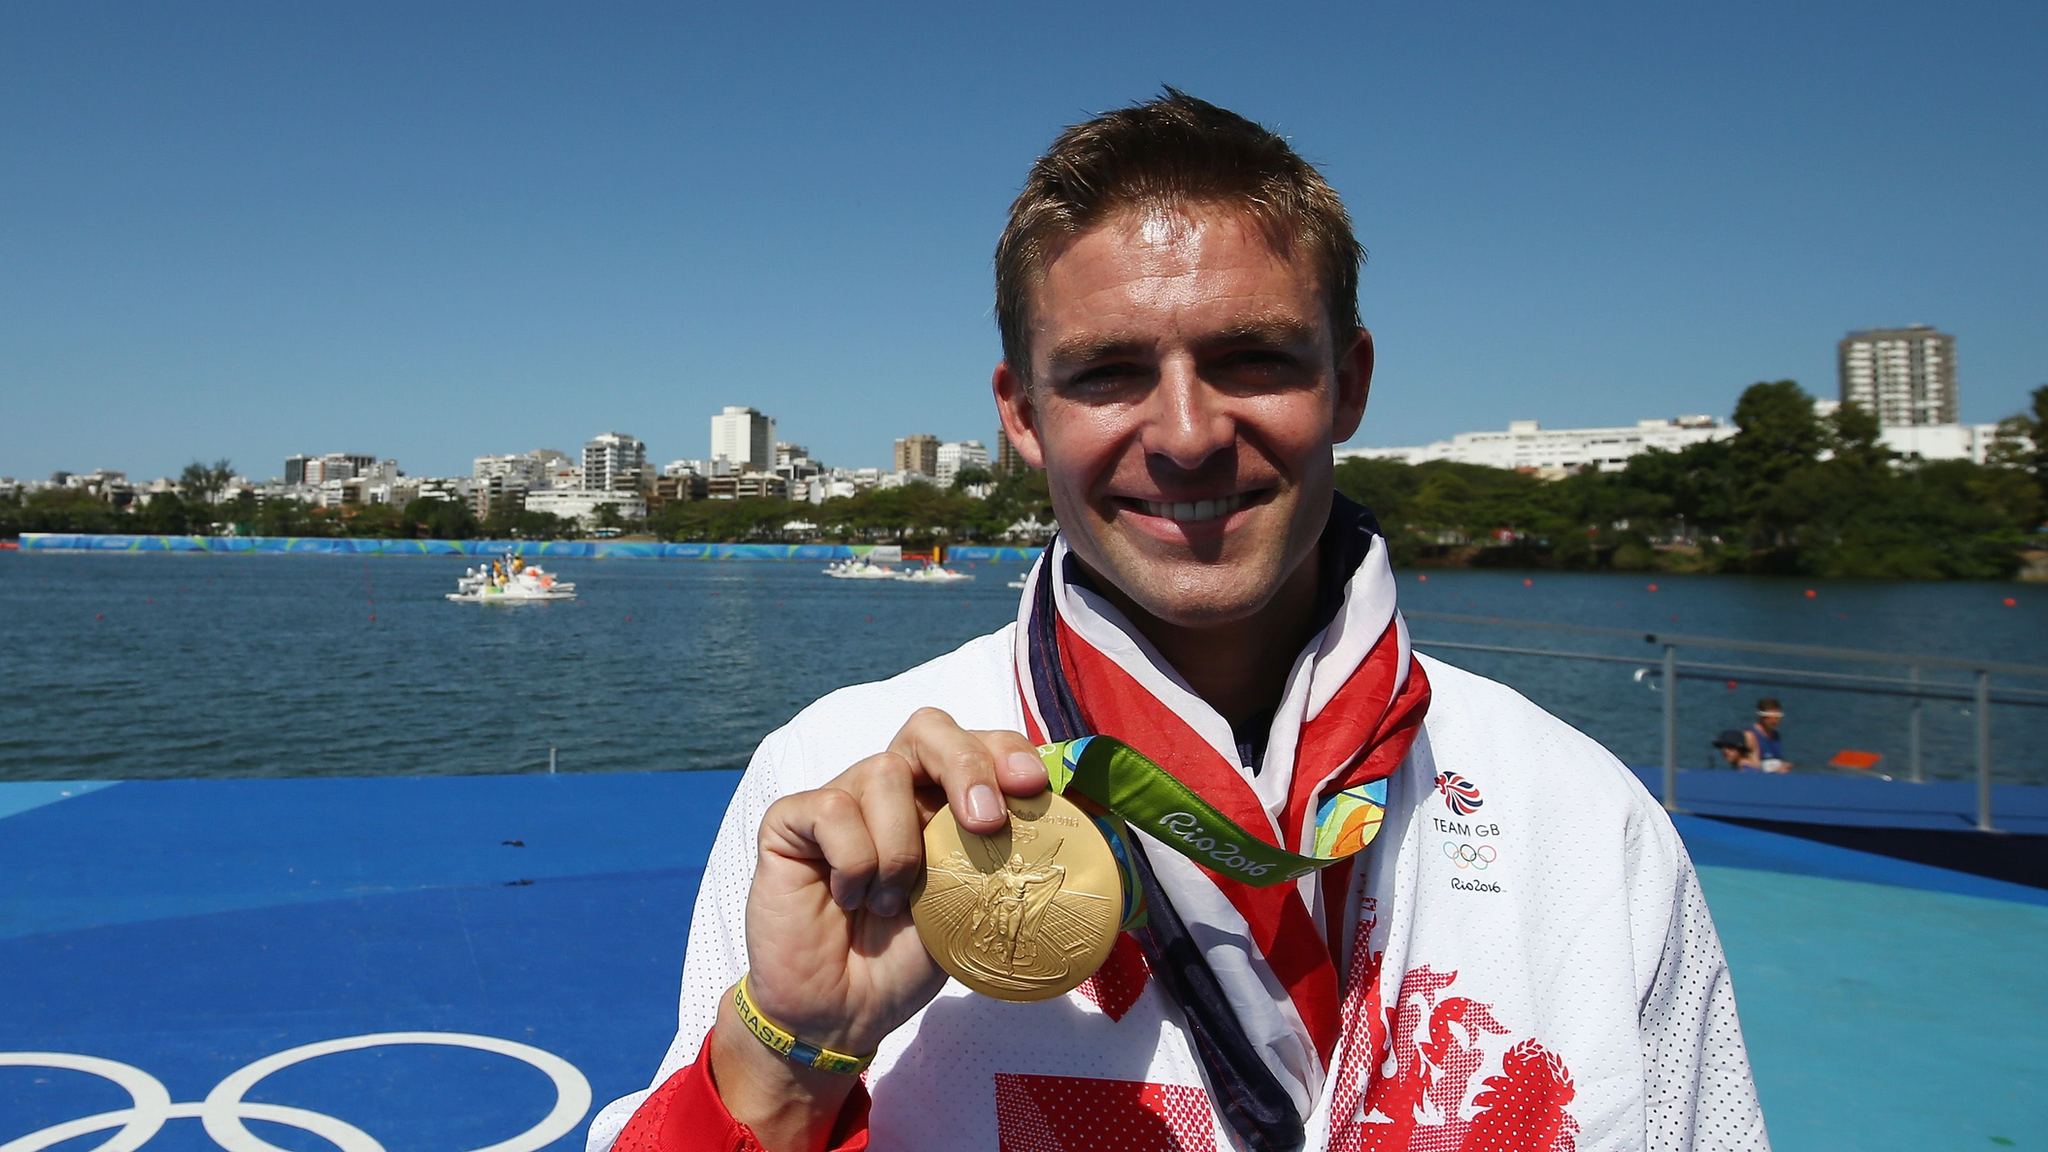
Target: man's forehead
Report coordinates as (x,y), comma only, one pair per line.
(1137,267)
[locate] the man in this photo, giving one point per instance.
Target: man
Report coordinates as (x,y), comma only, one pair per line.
(1764,749)
(1734,749)
(1520,959)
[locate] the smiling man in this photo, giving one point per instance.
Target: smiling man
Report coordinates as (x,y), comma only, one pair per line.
(1495,939)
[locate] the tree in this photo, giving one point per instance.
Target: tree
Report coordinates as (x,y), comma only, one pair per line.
(438,519)
(1777,435)
(2022,442)
(205,482)
(164,515)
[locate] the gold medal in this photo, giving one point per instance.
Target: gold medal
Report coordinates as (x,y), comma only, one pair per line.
(1027,913)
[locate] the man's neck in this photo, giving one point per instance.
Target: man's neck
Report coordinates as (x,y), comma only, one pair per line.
(1239,668)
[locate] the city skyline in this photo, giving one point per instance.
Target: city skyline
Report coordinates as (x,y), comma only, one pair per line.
(228,231)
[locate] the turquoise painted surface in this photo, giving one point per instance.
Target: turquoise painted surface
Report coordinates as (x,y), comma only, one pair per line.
(551,549)
(1888,1006)
(23,795)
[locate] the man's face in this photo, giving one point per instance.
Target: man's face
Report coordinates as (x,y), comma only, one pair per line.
(1185,394)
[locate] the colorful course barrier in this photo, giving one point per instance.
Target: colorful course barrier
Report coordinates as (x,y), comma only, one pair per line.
(537,549)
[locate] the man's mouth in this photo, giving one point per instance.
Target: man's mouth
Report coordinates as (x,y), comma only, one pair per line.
(1193,511)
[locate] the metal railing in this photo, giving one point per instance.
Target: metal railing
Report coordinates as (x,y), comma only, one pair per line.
(1670,670)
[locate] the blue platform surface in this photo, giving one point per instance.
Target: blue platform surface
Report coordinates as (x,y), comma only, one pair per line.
(1854,801)
(440,964)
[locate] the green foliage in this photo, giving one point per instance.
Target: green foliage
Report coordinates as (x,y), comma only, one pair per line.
(1788,493)
(435,520)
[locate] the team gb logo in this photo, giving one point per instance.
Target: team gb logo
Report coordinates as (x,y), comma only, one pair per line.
(1460,794)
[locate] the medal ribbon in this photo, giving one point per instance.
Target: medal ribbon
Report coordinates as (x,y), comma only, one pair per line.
(1083,671)
(1125,782)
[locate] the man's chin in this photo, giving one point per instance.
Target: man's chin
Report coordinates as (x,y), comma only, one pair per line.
(1210,598)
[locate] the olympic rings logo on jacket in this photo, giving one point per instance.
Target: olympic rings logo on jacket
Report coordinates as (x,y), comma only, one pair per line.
(224,1110)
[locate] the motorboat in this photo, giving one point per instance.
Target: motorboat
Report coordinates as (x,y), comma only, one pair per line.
(859,568)
(1019,582)
(933,573)
(519,584)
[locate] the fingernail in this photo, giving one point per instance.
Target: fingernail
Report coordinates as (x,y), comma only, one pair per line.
(983,805)
(1025,764)
(887,902)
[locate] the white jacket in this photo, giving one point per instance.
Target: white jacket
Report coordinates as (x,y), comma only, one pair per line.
(1534,967)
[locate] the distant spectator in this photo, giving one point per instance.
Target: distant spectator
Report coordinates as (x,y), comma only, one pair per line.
(1761,741)
(1733,748)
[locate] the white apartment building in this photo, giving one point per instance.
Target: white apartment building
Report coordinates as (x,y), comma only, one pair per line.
(744,437)
(581,504)
(1528,446)
(956,455)
(1970,442)
(522,470)
(1905,375)
(609,457)
(316,470)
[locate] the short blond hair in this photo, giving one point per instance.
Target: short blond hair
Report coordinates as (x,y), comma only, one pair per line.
(1173,152)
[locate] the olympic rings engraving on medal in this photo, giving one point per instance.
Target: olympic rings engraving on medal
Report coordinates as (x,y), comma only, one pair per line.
(1476,857)
(224,1110)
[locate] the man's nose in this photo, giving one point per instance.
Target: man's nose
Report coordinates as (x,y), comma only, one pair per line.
(1186,421)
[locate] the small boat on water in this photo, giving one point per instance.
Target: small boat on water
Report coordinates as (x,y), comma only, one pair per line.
(933,573)
(516,583)
(1017,583)
(859,568)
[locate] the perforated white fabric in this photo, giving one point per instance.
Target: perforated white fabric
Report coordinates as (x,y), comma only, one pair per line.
(1534,967)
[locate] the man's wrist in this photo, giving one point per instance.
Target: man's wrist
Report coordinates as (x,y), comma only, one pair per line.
(787,1106)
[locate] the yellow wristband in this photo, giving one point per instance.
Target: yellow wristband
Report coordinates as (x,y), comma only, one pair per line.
(775,1036)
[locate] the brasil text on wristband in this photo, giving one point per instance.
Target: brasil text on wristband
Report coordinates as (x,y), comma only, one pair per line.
(781,1040)
(1147,797)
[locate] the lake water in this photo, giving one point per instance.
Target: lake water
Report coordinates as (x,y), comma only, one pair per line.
(133,666)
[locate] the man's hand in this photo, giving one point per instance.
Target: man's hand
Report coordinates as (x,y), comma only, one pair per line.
(832,951)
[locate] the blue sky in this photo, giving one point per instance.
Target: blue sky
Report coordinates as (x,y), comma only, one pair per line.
(432,231)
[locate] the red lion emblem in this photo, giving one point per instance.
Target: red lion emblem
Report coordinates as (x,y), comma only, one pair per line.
(1460,794)
(1401,1083)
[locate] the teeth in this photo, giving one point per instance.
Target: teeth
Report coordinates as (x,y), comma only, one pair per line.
(1193,512)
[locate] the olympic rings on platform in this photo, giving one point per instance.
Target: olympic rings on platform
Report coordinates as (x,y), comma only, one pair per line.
(224,1110)
(1476,857)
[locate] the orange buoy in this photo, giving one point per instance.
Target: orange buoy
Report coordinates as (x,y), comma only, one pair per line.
(1810,593)
(1653,587)
(2010,602)
(99,615)
(1731,685)
(871,619)
(1424,577)
(1528,583)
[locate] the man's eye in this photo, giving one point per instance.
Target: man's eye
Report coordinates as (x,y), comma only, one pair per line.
(1103,377)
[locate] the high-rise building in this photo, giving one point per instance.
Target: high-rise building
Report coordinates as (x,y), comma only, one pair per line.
(1007,459)
(919,453)
(611,461)
(956,456)
(524,470)
(1906,376)
(331,468)
(745,437)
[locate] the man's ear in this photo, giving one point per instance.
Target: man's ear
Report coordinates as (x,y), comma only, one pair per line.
(1020,419)
(1354,385)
